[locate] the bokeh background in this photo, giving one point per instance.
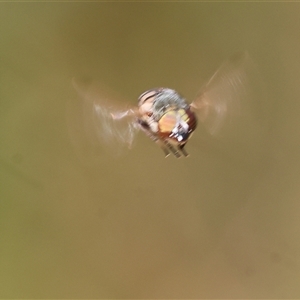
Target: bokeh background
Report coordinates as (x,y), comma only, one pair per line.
(223,223)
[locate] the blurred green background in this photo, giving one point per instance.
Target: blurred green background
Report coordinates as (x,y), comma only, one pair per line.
(215,225)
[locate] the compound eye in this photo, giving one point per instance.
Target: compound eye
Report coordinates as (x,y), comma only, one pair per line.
(167,122)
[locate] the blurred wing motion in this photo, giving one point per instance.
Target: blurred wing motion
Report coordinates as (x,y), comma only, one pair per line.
(97,123)
(226,96)
(233,109)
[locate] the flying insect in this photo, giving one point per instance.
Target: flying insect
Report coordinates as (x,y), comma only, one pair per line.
(163,114)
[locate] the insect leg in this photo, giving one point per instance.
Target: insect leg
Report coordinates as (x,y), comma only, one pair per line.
(156,140)
(181,148)
(172,149)
(163,147)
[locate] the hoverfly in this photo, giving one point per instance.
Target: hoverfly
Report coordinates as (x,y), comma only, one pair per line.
(163,114)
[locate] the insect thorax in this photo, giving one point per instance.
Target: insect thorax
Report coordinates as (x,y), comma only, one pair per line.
(165,113)
(166,100)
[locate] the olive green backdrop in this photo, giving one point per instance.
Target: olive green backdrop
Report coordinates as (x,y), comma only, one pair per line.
(220,224)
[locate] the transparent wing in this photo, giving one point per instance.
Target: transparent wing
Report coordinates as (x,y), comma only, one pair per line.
(228,96)
(233,109)
(98,123)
